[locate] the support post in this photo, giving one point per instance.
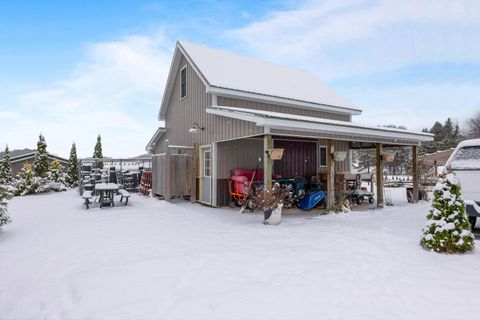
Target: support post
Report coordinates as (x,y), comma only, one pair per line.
(330,176)
(167,174)
(267,161)
(379,175)
(415,173)
(193,192)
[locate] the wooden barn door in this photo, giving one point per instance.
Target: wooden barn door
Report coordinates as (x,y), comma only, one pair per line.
(299,159)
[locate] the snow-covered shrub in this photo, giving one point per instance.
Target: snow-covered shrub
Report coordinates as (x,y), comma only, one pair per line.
(55,179)
(447,228)
(5,195)
(26,182)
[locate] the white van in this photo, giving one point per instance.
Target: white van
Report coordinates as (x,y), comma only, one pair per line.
(465,163)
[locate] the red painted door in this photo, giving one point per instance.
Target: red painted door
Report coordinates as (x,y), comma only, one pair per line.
(299,159)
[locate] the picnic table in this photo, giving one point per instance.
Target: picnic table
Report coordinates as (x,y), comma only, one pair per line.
(107,192)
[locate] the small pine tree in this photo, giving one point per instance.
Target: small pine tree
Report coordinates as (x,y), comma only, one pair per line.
(6,169)
(40,163)
(97,152)
(448,228)
(26,182)
(72,174)
(4,197)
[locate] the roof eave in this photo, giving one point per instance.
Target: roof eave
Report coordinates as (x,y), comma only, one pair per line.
(328,128)
(226,92)
(156,136)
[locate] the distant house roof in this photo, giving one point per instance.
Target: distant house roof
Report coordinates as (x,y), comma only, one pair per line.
(17,152)
(26,154)
(229,74)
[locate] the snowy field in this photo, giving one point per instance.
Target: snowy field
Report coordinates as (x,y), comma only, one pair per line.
(155,260)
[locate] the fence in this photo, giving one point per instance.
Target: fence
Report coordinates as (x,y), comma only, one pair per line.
(172,173)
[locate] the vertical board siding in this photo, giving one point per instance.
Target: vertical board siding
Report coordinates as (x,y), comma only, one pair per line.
(299,159)
(242,103)
(238,154)
(182,113)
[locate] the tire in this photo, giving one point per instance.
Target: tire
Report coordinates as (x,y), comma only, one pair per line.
(371,200)
(472,221)
(359,200)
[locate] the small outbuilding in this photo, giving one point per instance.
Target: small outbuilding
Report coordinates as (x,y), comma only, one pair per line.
(228,112)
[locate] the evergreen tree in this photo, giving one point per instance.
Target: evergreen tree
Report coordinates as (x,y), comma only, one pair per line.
(26,182)
(448,228)
(72,173)
(97,152)
(4,197)
(40,163)
(365,159)
(6,168)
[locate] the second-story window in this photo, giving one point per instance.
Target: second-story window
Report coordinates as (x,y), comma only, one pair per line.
(183,82)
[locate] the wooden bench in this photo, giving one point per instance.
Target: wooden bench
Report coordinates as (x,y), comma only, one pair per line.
(124,194)
(87,195)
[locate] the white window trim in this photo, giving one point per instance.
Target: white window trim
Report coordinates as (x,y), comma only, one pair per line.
(186,82)
(319,156)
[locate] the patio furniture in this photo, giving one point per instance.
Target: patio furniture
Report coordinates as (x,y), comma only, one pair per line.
(128,181)
(124,194)
(87,195)
(107,192)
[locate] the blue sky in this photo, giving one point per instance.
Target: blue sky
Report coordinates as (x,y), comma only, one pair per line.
(72,70)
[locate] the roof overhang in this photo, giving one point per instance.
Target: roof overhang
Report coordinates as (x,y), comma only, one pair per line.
(323,127)
(156,136)
(252,96)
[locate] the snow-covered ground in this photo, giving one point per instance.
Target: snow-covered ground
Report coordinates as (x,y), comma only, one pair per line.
(156,260)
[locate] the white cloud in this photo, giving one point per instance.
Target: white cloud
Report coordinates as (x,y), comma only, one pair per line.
(342,38)
(115,91)
(417,106)
(351,40)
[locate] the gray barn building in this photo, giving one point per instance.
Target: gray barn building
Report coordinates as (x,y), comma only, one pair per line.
(230,110)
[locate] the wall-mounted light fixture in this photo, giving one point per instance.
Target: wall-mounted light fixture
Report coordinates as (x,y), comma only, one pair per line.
(195,127)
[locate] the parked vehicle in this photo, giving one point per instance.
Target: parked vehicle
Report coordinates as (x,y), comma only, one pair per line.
(465,163)
(314,197)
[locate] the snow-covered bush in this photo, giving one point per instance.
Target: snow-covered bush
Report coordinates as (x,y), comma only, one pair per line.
(55,179)
(5,195)
(447,228)
(26,182)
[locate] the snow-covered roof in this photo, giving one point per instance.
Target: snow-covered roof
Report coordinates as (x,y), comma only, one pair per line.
(156,136)
(31,155)
(231,71)
(285,121)
(469,143)
(228,74)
